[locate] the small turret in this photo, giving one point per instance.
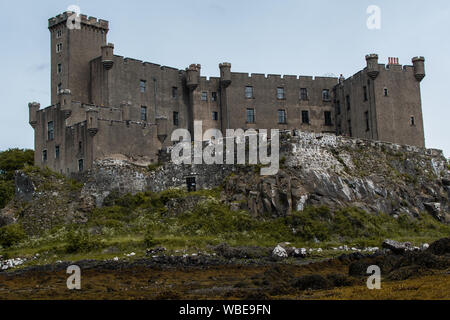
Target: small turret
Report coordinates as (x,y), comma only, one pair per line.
(225,73)
(108,56)
(161,127)
(92,120)
(193,76)
(65,101)
(372,66)
(33,109)
(419,68)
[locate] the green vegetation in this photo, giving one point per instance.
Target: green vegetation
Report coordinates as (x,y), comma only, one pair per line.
(133,223)
(10,161)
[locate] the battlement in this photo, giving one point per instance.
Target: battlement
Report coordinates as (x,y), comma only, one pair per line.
(84,19)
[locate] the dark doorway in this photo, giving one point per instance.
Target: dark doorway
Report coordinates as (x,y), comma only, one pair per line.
(191,184)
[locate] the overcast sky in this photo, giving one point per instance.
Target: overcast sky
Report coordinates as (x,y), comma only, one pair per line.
(295,37)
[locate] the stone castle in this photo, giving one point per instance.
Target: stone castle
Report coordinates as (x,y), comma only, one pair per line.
(107,106)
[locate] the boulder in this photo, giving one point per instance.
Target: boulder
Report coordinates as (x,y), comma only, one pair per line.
(279,252)
(396,247)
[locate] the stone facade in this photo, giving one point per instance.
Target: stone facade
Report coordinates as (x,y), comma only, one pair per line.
(107,106)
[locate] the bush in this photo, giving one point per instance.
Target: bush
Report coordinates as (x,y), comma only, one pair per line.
(80,241)
(149,241)
(14,159)
(11,235)
(6,192)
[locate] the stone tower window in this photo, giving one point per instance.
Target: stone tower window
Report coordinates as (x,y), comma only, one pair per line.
(204,96)
(350,132)
(58,34)
(347,99)
(144,113)
(280,93)
(250,115)
(50,131)
(215,116)
(328,121)
(413,121)
(282,117)
(303,94)
(366,118)
(249,92)
(174,92)
(59,88)
(175,119)
(365,93)
(59,68)
(44,155)
(305,117)
(143,86)
(326,95)
(80,165)
(57,151)
(214,96)
(59,47)
(386,92)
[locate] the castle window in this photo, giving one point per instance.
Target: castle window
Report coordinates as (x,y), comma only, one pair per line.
(347,99)
(366,118)
(59,69)
(303,94)
(280,93)
(176,121)
(80,146)
(80,165)
(59,47)
(59,88)
(282,117)
(58,34)
(412,121)
(57,152)
(249,92)
(250,115)
(143,85)
(386,92)
(365,93)
(328,121)
(338,107)
(215,116)
(174,92)
(214,96)
(350,128)
(50,131)
(204,96)
(326,95)
(305,117)
(144,113)
(44,155)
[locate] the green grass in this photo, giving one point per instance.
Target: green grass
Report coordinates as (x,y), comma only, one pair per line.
(134,222)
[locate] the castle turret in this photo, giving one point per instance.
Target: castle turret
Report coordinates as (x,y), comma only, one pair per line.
(92,120)
(419,68)
(65,101)
(193,76)
(372,66)
(161,127)
(225,74)
(33,109)
(108,56)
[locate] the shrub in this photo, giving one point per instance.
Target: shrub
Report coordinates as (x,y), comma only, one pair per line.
(149,241)
(6,192)
(11,235)
(15,159)
(80,241)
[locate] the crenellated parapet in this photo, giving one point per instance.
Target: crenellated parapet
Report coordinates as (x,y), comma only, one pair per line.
(84,20)
(193,76)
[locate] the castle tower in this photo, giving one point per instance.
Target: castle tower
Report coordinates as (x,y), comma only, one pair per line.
(75,41)
(372,66)
(225,82)
(419,68)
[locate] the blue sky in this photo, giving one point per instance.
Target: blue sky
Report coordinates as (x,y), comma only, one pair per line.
(298,37)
